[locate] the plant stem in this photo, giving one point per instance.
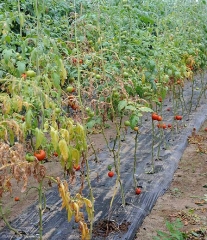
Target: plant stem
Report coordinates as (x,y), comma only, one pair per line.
(135,159)
(2,215)
(40,199)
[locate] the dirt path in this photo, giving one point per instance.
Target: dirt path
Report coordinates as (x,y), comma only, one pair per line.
(185,198)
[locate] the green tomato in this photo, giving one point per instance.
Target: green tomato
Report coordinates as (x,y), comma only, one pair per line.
(29,157)
(116,94)
(127,123)
(98,76)
(31,73)
(57,110)
(125,74)
(91,114)
(88,109)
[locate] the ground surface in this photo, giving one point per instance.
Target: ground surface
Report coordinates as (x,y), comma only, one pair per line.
(185,198)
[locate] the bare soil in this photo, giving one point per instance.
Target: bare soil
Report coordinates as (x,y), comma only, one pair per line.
(187,197)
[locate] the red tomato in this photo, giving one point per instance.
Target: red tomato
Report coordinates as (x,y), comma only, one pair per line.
(40,155)
(55,154)
(110,173)
(164,126)
(16,199)
(77,168)
(169,125)
(154,116)
(168,109)
(178,117)
(205,129)
(138,191)
(159,118)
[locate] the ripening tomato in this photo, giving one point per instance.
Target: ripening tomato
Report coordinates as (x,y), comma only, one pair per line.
(159,118)
(164,126)
(40,155)
(136,129)
(16,199)
(169,125)
(70,89)
(138,191)
(77,168)
(110,174)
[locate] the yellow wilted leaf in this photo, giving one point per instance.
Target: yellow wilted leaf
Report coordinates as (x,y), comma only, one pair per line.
(70,214)
(54,138)
(75,156)
(63,72)
(85,234)
(89,208)
(81,136)
(46,102)
(6,105)
(54,125)
(143,78)
(65,134)
(63,149)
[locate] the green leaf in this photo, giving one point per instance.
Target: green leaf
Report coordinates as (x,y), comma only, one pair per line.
(90,124)
(28,119)
(56,80)
(134,121)
(122,104)
(21,67)
(145,109)
(39,135)
(11,136)
(130,107)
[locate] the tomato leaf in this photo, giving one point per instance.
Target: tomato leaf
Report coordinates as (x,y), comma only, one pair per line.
(134,121)
(90,124)
(75,156)
(122,104)
(145,109)
(28,119)
(54,138)
(21,67)
(39,135)
(130,107)
(56,80)
(63,149)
